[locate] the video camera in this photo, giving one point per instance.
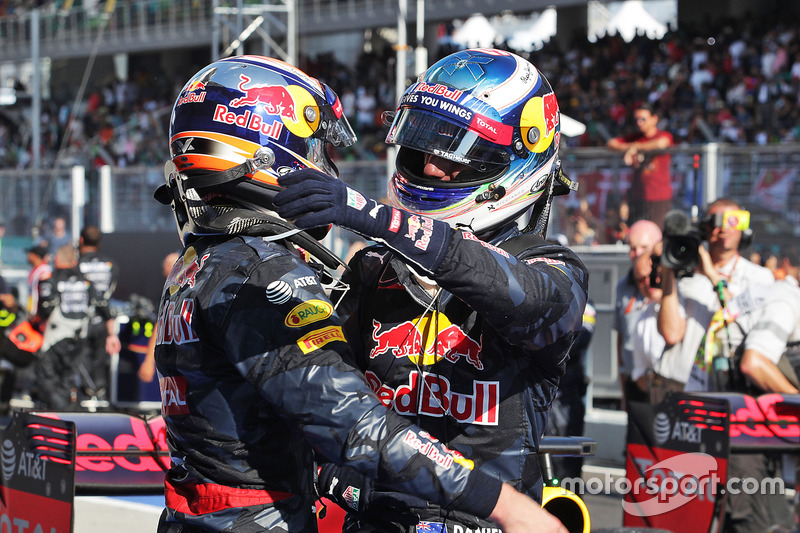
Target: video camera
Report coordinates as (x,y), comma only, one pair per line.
(683,238)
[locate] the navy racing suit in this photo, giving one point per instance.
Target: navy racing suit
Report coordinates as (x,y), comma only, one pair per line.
(250,362)
(479,364)
(101,270)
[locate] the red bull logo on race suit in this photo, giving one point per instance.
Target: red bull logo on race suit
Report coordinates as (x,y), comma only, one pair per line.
(276,99)
(432,395)
(420,344)
(427,340)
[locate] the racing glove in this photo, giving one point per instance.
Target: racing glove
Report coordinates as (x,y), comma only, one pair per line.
(312,198)
(354,492)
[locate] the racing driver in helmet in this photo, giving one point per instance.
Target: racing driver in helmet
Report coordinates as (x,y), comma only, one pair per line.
(250,351)
(461,320)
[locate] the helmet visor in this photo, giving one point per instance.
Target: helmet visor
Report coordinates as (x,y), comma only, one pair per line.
(433,134)
(336,128)
(318,154)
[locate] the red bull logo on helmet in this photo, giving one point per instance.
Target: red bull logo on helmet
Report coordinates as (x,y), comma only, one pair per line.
(277,99)
(432,339)
(194,93)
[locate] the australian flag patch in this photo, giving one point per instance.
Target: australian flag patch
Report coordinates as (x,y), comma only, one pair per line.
(431,527)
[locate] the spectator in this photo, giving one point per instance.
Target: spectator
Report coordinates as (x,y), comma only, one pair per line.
(650,193)
(598,83)
(764,320)
(616,224)
(9,309)
(585,227)
(365,110)
(689,304)
(58,236)
(648,344)
(147,369)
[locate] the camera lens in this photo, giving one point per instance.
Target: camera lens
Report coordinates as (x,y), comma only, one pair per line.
(680,252)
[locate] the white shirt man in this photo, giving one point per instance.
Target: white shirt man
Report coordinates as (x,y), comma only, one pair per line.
(689,304)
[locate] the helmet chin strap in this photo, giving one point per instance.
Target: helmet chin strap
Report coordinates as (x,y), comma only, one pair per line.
(558,184)
(239,221)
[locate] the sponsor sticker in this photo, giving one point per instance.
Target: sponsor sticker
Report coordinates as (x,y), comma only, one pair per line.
(547,260)
(319,338)
(439,89)
(305,281)
(173,395)
(432,395)
(249,120)
(415,224)
(279,292)
(352,495)
(175,323)
(190,96)
(308,313)
(397,219)
(470,237)
(355,199)
(277,99)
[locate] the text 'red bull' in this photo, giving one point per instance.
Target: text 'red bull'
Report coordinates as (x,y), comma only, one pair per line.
(432,396)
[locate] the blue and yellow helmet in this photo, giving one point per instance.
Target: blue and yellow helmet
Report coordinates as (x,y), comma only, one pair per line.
(237,125)
(490,110)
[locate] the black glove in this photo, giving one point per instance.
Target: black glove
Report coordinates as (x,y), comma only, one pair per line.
(346,487)
(312,199)
(354,492)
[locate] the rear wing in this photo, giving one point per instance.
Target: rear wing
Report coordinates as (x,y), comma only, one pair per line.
(37,474)
(117,453)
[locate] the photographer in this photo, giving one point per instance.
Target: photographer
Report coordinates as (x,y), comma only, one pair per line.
(688,307)
(688,304)
(647,343)
(630,302)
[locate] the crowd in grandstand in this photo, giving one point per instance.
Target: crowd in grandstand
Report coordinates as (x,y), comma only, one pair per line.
(732,81)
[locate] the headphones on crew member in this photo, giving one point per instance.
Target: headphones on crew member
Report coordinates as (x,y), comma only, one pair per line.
(731,218)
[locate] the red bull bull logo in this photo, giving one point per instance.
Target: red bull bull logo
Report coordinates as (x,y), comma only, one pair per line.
(276,98)
(185,273)
(432,395)
(432,339)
